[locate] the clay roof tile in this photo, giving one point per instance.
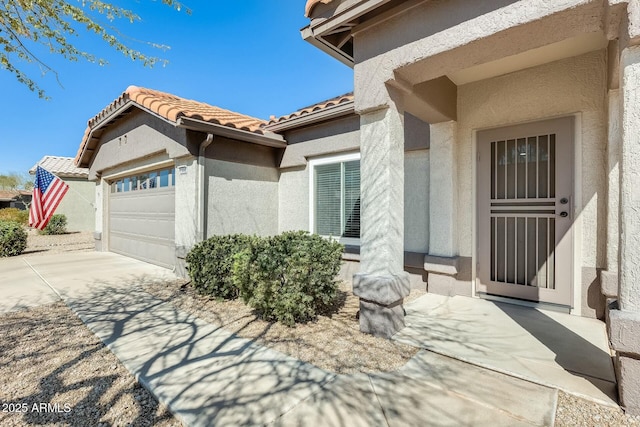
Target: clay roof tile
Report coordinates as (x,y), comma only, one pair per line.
(313,108)
(171,107)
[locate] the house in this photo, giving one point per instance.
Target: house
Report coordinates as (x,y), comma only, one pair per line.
(78,205)
(534,171)
(170,172)
(18,199)
(488,151)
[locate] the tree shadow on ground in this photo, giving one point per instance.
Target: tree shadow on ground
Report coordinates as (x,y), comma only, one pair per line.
(203,372)
(56,372)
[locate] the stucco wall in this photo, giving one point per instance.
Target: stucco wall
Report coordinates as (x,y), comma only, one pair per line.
(78,205)
(336,136)
(344,136)
(416,201)
(293,199)
(135,137)
(241,198)
(436,38)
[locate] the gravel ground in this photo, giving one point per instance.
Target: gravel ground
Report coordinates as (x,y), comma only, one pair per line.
(48,356)
(575,412)
(40,244)
(333,342)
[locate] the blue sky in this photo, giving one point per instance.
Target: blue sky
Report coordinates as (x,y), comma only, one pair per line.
(245,56)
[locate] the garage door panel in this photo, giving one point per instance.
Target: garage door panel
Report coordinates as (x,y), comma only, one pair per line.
(161,226)
(156,251)
(142,225)
(162,201)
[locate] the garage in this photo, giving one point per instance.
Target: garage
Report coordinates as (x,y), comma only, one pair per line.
(142,216)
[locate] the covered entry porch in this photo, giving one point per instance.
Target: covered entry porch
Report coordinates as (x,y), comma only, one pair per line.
(554,349)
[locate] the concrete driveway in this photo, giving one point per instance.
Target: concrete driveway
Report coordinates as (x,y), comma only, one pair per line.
(31,281)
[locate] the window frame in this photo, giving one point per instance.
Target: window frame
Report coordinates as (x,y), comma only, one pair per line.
(134,183)
(312,163)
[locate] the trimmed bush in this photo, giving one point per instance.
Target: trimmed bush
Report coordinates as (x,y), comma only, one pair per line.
(13,238)
(288,278)
(210,263)
(56,225)
(15,215)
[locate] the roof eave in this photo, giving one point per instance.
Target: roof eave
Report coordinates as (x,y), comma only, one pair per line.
(316,31)
(339,110)
(322,44)
(268,139)
(103,121)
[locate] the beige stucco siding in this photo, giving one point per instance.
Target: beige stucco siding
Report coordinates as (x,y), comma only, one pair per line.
(416,201)
(78,205)
(241,198)
(573,85)
(438,38)
(293,199)
(137,136)
(336,136)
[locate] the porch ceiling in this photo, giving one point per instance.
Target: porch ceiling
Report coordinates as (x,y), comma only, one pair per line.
(574,46)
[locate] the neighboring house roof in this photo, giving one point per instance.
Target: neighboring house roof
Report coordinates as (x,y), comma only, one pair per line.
(8,195)
(169,107)
(334,107)
(63,167)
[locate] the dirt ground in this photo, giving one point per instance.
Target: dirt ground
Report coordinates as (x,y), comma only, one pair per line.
(333,342)
(55,372)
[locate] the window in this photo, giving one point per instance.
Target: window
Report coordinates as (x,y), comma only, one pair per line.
(335,197)
(145,181)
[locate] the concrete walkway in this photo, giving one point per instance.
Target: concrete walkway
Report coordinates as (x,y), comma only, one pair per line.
(550,348)
(208,376)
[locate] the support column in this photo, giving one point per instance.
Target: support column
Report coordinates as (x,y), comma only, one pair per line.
(442,261)
(382,283)
(624,323)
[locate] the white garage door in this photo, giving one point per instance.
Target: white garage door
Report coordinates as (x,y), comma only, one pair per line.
(142,217)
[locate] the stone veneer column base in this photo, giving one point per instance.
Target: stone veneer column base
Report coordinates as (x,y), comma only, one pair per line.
(624,333)
(381,298)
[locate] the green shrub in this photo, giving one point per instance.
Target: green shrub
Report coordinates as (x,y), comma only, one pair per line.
(15,215)
(57,225)
(290,277)
(13,238)
(210,262)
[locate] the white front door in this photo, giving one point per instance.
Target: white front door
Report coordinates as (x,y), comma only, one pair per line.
(525,196)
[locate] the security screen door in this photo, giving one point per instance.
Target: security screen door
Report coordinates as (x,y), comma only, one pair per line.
(525,200)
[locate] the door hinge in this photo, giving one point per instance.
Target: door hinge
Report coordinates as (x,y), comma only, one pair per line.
(478,156)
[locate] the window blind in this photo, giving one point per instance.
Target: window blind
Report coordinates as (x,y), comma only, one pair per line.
(328,199)
(337,199)
(352,199)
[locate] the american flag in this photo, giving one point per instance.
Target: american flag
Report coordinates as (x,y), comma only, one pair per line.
(48,191)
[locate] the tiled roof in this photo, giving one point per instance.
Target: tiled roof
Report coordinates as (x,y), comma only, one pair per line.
(313,108)
(308,8)
(172,108)
(61,166)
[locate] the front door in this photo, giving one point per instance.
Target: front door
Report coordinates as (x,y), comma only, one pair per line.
(525,196)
